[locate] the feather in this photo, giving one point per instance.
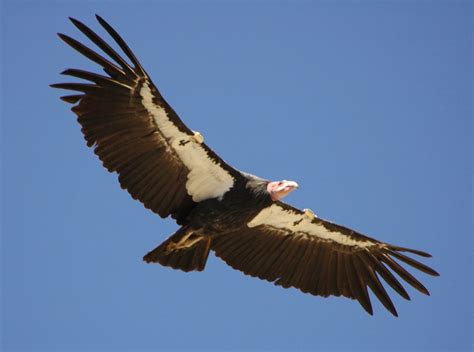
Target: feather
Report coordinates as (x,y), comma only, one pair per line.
(261,251)
(414,251)
(118,39)
(387,276)
(240,248)
(287,254)
(72,99)
(358,287)
(110,68)
(313,276)
(414,263)
(104,46)
(80,87)
(303,266)
(321,270)
(270,262)
(365,270)
(292,263)
(332,275)
(168,199)
(100,80)
(405,275)
(309,267)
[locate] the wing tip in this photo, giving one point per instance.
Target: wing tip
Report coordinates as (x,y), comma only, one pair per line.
(413,251)
(99,18)
(71,99)
(65,38)
(395,252)
(368,308)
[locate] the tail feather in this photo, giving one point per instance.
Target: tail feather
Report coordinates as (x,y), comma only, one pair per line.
(186,250)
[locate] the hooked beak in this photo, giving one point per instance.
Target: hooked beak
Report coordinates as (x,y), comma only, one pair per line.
(280,189)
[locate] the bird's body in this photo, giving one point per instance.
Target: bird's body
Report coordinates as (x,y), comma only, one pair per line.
(236,208)
(239,216)
(211,219)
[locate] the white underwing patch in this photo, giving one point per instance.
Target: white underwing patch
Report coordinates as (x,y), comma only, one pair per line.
(278,217)
(206,179)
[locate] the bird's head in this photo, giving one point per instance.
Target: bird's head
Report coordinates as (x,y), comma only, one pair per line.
(279,189)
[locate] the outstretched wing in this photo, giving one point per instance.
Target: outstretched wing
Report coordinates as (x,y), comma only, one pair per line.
(135,133)
(293,248)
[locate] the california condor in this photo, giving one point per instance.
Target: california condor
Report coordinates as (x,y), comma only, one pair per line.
(239,216)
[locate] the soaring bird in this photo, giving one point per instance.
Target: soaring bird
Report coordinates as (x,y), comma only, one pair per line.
(239,216)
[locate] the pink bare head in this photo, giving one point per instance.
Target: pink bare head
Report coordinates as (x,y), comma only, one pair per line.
(279,189)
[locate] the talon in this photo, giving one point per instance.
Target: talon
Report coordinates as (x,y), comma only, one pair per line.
(199,138)
(309,213)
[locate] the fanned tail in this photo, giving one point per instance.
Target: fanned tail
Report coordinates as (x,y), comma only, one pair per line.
(186,250)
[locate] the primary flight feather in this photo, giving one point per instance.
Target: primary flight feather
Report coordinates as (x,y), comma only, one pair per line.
(239,216)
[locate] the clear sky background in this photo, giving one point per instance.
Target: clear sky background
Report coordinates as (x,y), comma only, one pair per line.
(366,104)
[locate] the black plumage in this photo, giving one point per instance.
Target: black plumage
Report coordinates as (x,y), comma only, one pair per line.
(167,167)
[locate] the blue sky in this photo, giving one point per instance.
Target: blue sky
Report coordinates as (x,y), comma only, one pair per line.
(366,104)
